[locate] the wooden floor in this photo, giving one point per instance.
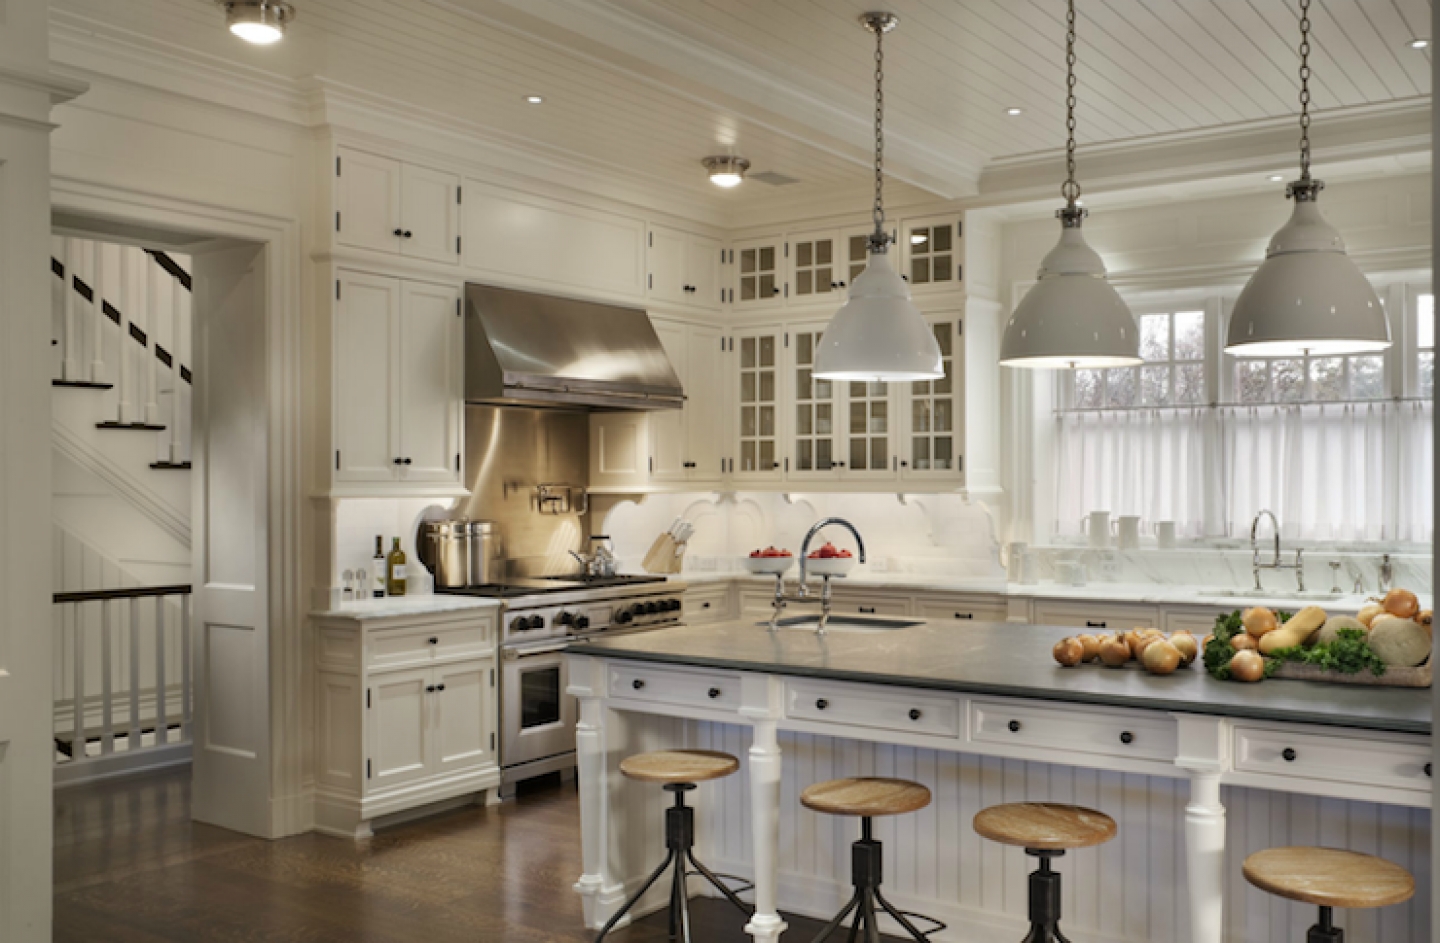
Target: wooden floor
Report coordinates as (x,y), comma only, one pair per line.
(130,867)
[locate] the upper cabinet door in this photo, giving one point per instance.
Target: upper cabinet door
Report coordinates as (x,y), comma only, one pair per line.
(934,421)
(757,373)
(759,275)
(365,414)
(933,253)
(665,256)
(368,201)
(702,270)
(704,406)
(430,385)
(667,426)
(430,214)
(815,267)
(869,430)
(815,431)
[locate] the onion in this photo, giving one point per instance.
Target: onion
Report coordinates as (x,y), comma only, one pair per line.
(1091,646)
(1068,652)
(1367,613)
(1161,658)
(1401,602)
(1114,652)
(1243,642)
(1247,666)
(1184,643)
(1258,621)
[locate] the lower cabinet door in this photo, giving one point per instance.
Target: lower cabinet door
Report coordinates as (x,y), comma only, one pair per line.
(464,716)
(399,727)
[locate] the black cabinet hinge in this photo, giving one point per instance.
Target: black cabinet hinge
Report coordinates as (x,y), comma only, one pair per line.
(652,465)
(787,289)
(787,464)
(960,327)
(959,273)
(492,742)
(492,677)
(337,165)
(960,463)
(367,769)
(787,250)
(787,339)
(458,192)
(457,307)
(337,220)
(367,697)
(457,245)
(959,228)
(457,463)
(650,281)
(337,289)
(337,462)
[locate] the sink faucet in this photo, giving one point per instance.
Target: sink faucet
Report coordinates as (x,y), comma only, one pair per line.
(802,592)
(1256,566)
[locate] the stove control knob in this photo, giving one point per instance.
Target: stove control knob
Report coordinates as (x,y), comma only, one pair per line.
(537,622)
(638,609)
(672,605)
(519,624)
(565,618)
(623,617)
(581,622)
(651,608)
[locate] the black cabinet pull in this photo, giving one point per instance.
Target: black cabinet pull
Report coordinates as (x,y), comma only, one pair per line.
(405,462)
(868,610)
(1127,738)
(1427,769)
(914,713)
(397,461)
(408,234)
(821,704)
(429,689)
(904,464)
(1288,754)
(1014,726)
(637,684)
(705,606)
(399,232)
(1095,624)
(714,693)
(433,640)
(964,615)
(439,687)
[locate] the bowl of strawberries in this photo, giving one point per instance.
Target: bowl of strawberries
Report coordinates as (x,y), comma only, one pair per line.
(830,560)
(772,561)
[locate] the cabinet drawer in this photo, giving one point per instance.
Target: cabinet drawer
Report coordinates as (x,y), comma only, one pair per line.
(1073,730)
(1095,616)
(869,604)
(718,689)
(966,608)
(420,644)
(707,604)
(1370,760)
(935,715)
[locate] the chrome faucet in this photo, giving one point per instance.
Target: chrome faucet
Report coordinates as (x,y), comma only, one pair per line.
(802,592)
(1256,566)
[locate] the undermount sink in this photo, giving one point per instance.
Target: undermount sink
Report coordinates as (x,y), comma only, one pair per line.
(1271,594)
(845,623)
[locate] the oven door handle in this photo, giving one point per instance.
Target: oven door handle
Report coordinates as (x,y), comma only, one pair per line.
(515,654)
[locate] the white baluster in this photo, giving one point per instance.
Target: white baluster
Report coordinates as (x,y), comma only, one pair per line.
(176,289)
(161,733)
(122,348)
(134,739)
(77,743)
(97,317)
(107,722)
(70,368)
(150,370)
(184,668)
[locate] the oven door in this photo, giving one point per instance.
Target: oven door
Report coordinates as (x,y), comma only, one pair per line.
(537,716)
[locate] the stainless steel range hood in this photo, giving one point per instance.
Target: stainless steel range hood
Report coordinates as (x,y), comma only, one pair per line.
(523,348)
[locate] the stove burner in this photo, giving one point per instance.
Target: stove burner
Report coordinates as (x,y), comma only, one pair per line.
(547,584)
(623,579)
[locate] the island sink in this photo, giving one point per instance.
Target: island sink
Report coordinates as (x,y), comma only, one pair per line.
(844,623)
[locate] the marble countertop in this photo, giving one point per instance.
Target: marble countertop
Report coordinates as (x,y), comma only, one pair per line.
(1140,593)
(1013,660)
(394,607)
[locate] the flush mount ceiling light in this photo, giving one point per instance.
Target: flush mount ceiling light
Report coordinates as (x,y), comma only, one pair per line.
(1012,112)
(534,99)
(1276,178)
(727,171)
(1419,43)
(1307,297)
(261,22)
(878,334)
(1072,317)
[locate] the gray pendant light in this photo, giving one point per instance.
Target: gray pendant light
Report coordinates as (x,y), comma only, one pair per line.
(1307,297)
(1072,317)
(879,334)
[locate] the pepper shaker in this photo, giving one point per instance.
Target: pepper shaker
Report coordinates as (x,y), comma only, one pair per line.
(1335,577)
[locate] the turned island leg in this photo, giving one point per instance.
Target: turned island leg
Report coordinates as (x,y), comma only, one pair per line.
(765,925)
(594,801)
(1206,756)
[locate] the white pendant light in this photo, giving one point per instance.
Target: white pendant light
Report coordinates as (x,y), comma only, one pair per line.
(1072,317)
(878,334)
(261,22)
(1307,297)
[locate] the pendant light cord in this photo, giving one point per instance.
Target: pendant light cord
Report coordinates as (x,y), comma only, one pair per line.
(879,241)
(1306,188)
(1070,189)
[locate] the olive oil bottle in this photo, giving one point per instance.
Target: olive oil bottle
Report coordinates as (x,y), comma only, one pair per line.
(378,567)
(395,570)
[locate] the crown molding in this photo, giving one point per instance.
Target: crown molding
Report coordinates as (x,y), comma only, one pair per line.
(59,88)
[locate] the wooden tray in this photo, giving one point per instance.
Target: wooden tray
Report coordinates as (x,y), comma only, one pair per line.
(1392,678)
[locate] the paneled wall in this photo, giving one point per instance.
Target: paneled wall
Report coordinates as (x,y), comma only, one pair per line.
(1132,889)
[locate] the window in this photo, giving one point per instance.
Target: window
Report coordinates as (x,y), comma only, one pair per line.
(1309,379)
(1425,345)
(1173,347)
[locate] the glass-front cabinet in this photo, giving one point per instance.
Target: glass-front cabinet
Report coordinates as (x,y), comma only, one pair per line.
(757,372)
(934,419)
(815,436)
(868,416)
(932,254)
(759,272)
(815,267)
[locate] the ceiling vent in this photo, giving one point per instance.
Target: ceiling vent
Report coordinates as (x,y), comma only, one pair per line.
(772,178)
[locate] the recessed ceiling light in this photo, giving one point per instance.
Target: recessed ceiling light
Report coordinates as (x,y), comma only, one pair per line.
(261,22)
(727,171)
(534,99)
(1276,178)
(1419,42)
(1012,112)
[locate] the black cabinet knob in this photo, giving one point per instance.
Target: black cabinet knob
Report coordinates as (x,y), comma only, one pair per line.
(637,684)
(821,704)
(439,687)
(399,232)
(914,713)
(406,462)
(1127,737)
(429,689)
(1427,769)
(714,693)
(1288,754)
(1014,726)
(904,464)
(408,234)
(433,640)
(397,461)
(774,291)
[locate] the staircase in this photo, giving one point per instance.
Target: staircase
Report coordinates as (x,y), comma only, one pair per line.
(121,328)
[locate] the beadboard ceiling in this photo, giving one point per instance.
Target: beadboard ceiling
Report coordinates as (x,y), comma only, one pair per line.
(643,89)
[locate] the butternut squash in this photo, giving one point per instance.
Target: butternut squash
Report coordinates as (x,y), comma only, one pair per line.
(1297,631)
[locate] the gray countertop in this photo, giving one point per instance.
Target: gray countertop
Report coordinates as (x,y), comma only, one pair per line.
(1012,659)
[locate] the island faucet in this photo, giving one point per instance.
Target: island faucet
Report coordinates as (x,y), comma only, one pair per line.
(802,592)
(1256,566)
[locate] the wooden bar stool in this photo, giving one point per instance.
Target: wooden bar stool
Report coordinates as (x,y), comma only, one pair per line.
(1045,830)
(868,798)
(1329,878)
(678,771)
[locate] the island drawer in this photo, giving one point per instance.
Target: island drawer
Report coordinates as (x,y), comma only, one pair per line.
(1370,759)
(680,686)
(1075,730)
(420,644)
(832,702)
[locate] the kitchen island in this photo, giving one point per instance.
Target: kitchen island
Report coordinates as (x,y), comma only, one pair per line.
(981,714)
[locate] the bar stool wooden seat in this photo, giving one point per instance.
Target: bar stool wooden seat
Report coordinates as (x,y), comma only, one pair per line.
(1046,830)
(678,771)
(866,798)
(1329,878)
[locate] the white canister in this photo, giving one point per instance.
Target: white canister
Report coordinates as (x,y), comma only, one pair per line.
(1029,568)
(1097,528)
(1165,535)
(1015,561)
(1071,572)
(1127,531)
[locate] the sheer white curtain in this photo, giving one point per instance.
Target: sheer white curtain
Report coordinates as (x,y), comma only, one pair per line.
(1149,462)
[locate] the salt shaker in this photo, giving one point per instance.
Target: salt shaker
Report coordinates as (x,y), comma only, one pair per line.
(349,579)
(1335,577)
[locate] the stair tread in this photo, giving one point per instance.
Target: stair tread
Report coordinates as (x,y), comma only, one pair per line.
(176,465)
(83,384)
(129,425)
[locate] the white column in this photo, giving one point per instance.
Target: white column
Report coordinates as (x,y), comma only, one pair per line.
(761,697)
(1206,757)
(587,684)
(97,314)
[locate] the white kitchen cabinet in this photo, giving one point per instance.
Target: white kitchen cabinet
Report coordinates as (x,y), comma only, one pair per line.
(398,388)
(814,449)
(759,441)
(619,451)
(932,253)
(394,206)
(1108,616)
(684,268)
(759,272)
(868,421)
(933,415)
(403,720)
(962,606)
(816,267)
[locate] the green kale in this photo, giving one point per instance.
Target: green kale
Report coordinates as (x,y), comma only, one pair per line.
(1349,654)
(1218,650)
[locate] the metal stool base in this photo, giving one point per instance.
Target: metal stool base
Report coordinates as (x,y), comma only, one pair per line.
(1044,900)
(679,841)
(1325,931)
(865,873)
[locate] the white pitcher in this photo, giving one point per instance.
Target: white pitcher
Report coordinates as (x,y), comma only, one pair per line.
(1165,535)
(1097,527)
(1127,528)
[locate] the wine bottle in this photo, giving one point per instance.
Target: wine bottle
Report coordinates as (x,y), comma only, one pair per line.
(377,569)
(395,584)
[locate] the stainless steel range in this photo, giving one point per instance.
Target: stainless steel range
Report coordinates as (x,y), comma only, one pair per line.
(540,617)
